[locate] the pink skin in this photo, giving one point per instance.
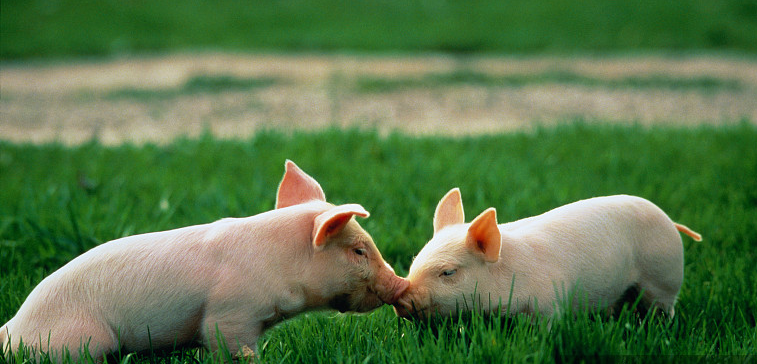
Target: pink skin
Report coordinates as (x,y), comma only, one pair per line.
(236,277)
(597,248)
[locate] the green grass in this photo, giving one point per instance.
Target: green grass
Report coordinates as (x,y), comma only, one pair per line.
(59,28)
(56,202)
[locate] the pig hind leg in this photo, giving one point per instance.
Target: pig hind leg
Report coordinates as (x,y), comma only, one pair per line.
(628,299)
(662,299)
(78,337)
(660,264)
(660,289)
(646,299)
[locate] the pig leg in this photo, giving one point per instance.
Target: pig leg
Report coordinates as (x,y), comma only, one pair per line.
(660,264)
(98,340)
(239,335)
(660,288)
(660,292)
(664,299)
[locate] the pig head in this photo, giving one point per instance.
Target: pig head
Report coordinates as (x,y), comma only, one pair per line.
(453,269)
(347,271)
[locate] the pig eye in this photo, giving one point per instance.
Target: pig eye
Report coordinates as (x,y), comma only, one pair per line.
(359,251)
(448,272)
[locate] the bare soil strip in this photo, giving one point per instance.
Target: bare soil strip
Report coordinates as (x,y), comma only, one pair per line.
(73,102)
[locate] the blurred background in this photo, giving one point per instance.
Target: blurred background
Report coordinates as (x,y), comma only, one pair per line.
(153,70)
(56,28)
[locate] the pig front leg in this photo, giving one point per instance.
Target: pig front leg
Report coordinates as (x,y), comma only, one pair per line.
(239,333)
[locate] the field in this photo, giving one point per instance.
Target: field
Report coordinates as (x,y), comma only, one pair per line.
(57,201)
(157,98)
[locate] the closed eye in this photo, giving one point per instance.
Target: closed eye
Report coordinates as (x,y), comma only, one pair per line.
(448,272)
(359,251)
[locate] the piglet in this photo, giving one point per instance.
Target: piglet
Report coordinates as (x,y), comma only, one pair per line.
(230,279)
(590,253)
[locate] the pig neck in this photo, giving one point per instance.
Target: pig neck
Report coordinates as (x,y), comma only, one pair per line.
(516,262)
(280,256)
(308,285)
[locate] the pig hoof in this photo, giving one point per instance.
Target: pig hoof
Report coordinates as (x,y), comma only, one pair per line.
(245,354)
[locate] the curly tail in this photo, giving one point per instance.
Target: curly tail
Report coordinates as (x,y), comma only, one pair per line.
(684,229)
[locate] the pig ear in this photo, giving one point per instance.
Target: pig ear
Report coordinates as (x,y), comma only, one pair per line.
(297,187)
(484,237)
(449,211)
(333,221)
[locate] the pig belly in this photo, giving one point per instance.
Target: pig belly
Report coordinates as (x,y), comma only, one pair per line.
(598,273)
(163,312)
(152,293)
(603,291)
(160,325)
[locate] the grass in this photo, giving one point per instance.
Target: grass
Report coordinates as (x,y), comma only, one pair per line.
(56,202)
(63,28)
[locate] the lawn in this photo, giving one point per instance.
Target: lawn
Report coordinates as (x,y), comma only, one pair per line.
(56,202)
(65,28)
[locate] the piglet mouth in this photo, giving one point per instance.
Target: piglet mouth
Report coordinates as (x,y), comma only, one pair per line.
(341,303)
(401,311)
(407,309)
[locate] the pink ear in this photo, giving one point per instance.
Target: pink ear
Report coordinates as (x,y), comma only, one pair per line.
(333,221)
(484,237)
(449,211)
(297,187)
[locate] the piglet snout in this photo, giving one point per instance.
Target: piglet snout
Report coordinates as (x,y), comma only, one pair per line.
(392,288)
(400,289)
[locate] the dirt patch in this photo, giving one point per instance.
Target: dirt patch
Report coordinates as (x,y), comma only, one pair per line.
(147,99)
